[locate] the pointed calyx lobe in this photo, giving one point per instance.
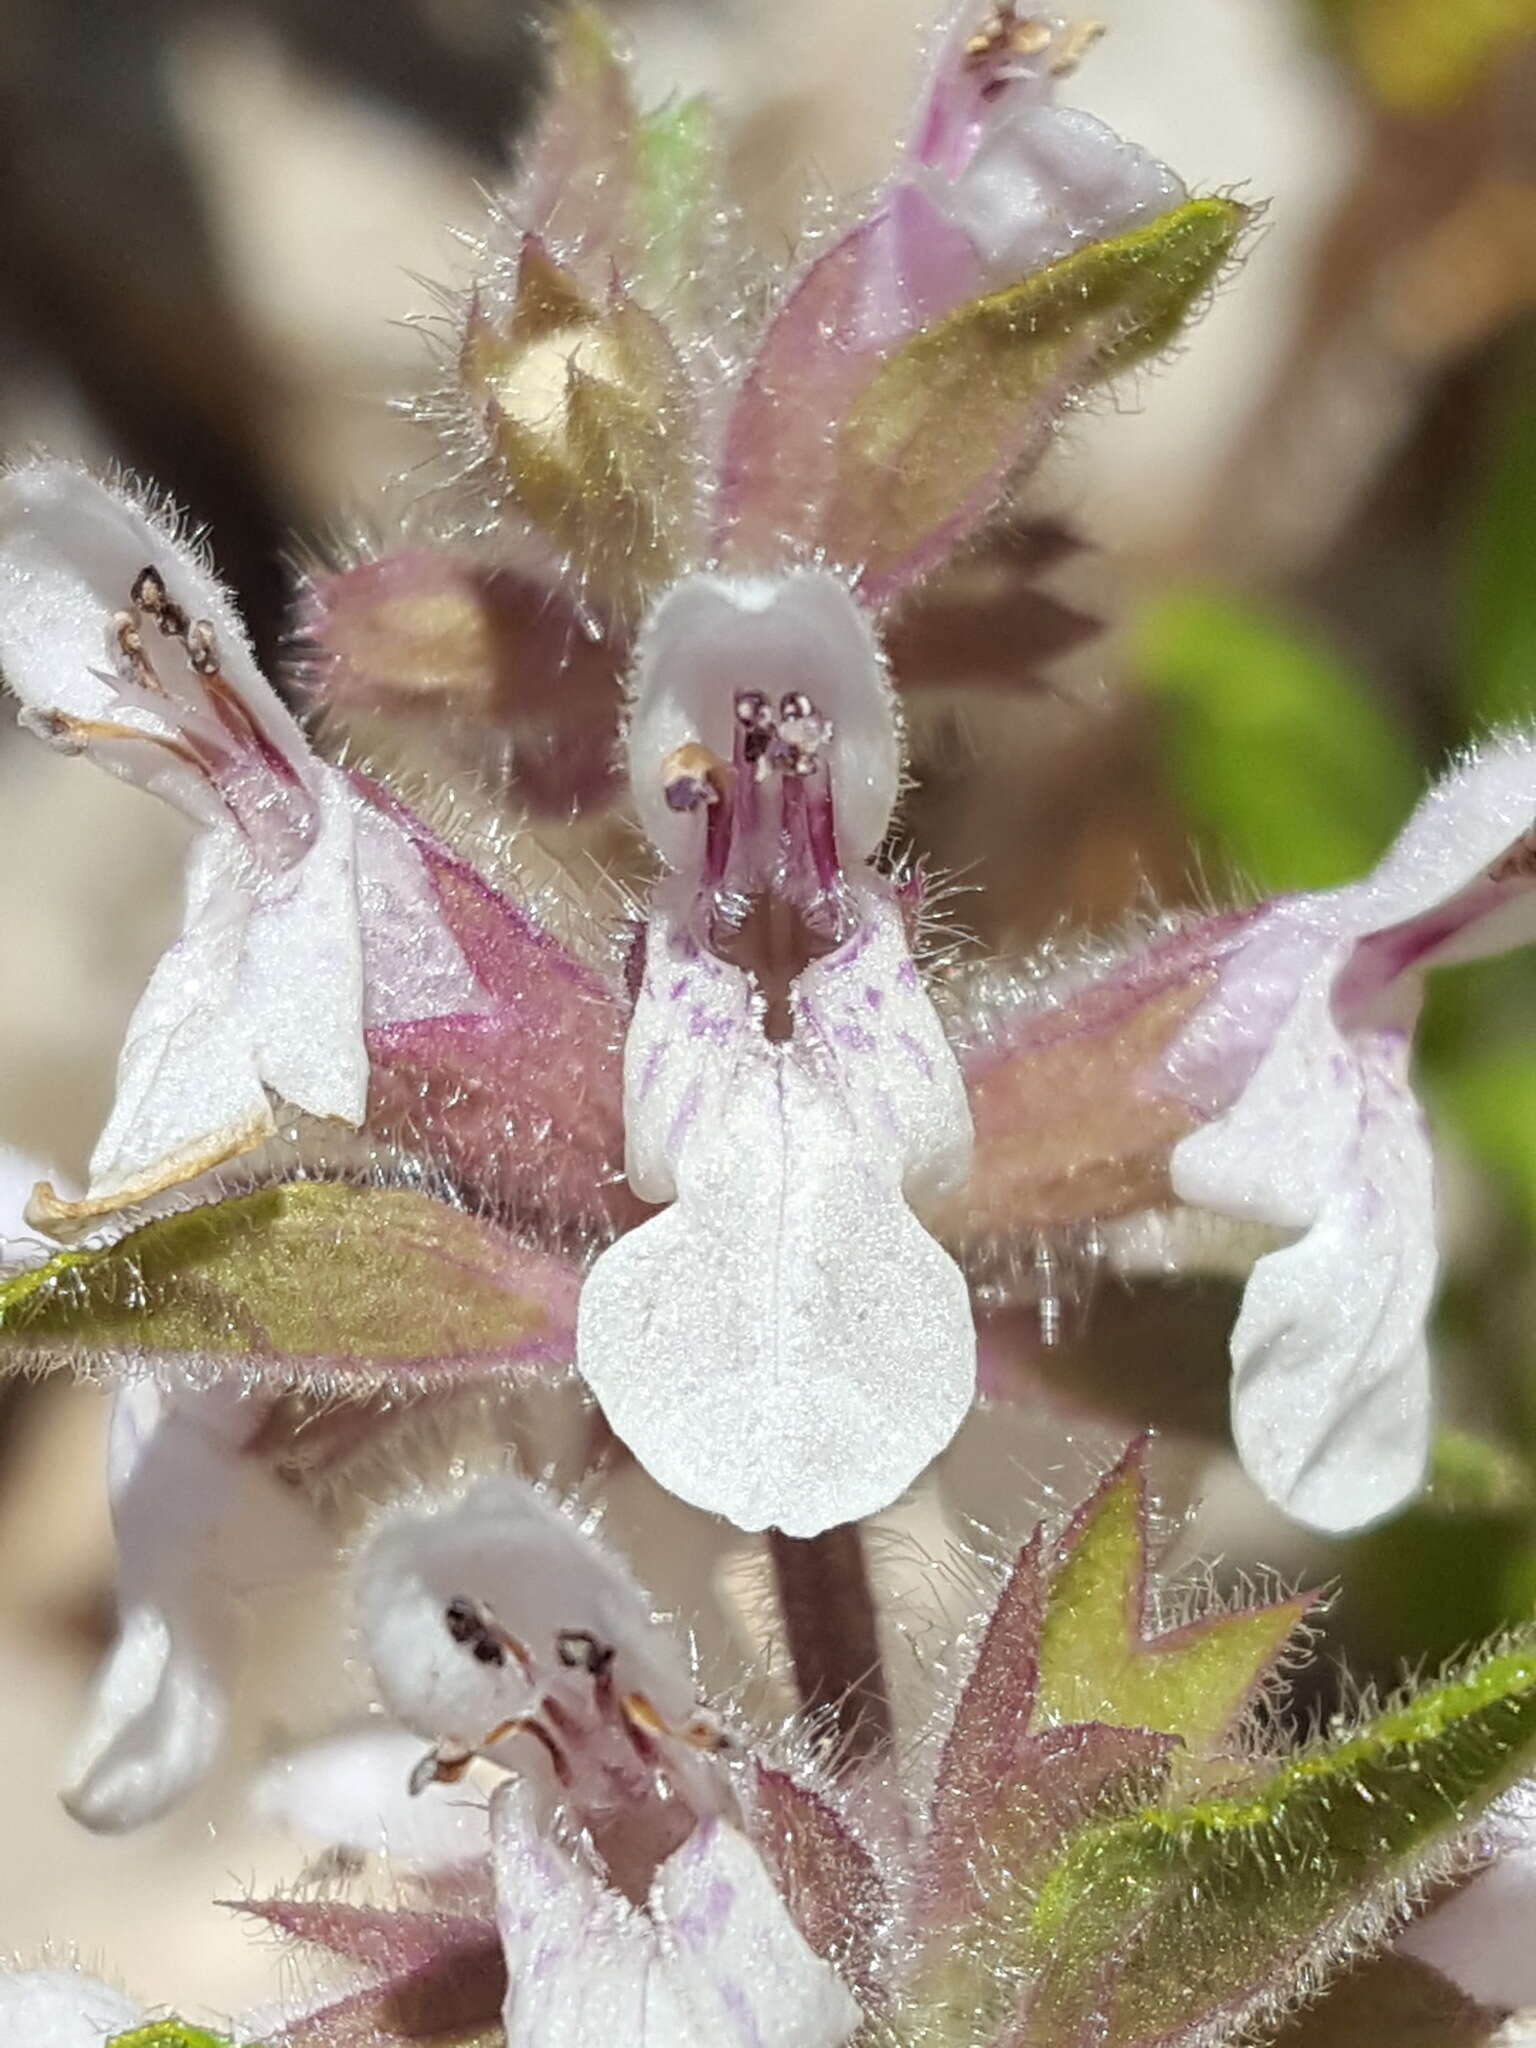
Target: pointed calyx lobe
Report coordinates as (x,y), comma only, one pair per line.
(1076,1698)
(785,1344)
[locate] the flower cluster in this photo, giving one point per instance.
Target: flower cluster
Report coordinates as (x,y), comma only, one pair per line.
(394,1124)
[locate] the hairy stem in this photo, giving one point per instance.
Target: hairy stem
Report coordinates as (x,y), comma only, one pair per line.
(829,1620)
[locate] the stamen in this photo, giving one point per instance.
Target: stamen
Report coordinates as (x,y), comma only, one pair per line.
(130,644)
(444,1764)
(579,1650)
(1004,35)
(530,1724)
(471,1623)
(1074,46)
(692,776)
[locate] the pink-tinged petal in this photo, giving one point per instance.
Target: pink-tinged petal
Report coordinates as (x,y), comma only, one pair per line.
(830,1881)
(61,2009)
(1028,180)
(576,178)
(1458,884)
(784,1345)
(716,1962)
(495,662)
(199,1527)
(1075,1115)
(521,1098)
(959,102)
(901,268)
(353,1792)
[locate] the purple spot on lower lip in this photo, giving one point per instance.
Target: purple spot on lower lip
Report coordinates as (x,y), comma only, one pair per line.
(920,1058)
(906,975)
(874,997)
(854,1038)
(678,988)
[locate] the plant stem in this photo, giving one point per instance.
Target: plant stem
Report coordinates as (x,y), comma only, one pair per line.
(834,1643)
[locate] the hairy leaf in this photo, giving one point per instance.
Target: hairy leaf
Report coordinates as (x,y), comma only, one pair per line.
(934,434)
(314,1282)
(168,2034)
(1186,1915)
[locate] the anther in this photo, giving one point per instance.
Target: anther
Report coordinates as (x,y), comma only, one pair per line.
(149,592)
(692,776)
(1074,46)
(579,1650)
(474,1626)
(202,647)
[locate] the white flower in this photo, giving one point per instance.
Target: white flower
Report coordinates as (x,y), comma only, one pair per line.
(1300,1057)
(712,1960)
(61,2009)
(785,1344)
(1028,181)
(200,1524)
(308,910)
(499,1628)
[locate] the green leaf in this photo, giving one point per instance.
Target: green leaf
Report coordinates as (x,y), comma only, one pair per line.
(1423,56)
(1491,1094)
(1498,609)
(169,2034)
(1225,1907)
(317,1282)
(1283,761)
(1097,1661)
(947,416)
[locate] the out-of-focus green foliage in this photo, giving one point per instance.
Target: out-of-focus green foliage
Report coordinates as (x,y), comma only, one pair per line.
(1423,56)
(1492,1096)
(169,2034)
(1284,763)
(1498,608)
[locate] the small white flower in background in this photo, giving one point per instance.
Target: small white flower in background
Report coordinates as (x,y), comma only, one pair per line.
(199,1526)
(1026,180)
(61,2009)
(499,1628)
(1300,1055)
(785,1344)
(308,911)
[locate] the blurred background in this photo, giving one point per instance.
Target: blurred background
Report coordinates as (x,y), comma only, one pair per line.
(1311,539)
